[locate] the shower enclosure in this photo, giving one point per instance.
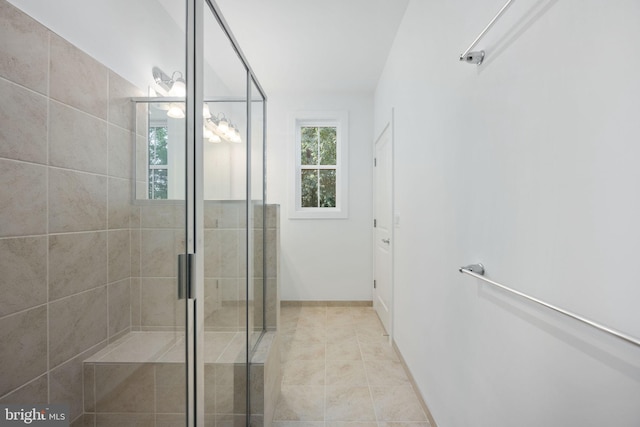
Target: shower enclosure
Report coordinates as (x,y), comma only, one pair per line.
(138,256)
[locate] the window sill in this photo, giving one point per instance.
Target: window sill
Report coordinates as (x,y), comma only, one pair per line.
(318,213)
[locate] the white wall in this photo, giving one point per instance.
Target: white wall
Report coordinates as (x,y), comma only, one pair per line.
(324,259)
(529,165)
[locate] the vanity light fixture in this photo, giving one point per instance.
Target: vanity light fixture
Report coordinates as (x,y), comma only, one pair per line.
(221,129)
(234,135)
(172,86)
(175,111)
(210,136)
(206,114)
(223,124)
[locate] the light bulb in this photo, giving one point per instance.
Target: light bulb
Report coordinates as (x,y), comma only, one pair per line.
(236,137)
(205,111)
(175,111)
(230,132)
(179,88)
(223,125)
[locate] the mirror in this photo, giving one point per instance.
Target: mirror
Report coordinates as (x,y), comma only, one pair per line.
(160,152)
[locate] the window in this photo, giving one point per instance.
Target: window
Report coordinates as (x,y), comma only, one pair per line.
(320,167)
(158,162)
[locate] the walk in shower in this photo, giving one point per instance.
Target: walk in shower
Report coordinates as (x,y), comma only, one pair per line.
(138,257)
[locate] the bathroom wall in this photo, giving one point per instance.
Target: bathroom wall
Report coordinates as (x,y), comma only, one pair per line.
(527,164)
(65,190)
(323,259)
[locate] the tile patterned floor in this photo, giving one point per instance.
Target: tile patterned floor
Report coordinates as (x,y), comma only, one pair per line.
(338,370)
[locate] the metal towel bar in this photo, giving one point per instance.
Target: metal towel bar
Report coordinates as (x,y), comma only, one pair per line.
(478,57)
(477,271)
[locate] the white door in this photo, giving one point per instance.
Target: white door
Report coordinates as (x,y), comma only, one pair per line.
(383,227)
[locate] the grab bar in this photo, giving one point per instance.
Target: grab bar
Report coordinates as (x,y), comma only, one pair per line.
(478,57)
(477,271)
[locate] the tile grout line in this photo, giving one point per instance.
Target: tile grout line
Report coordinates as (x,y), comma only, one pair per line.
(28,89)
(20,387)
(373,405)
(62,168)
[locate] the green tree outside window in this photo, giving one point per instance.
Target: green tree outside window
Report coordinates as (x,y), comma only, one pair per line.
(158,166)
(318,150)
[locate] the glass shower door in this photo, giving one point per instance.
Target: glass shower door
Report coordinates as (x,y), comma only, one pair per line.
(146,375)
(224,182)
(232,164)
(170,193)
(207,180)
(166,203)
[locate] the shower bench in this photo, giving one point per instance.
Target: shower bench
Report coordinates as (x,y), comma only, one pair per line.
(141,378)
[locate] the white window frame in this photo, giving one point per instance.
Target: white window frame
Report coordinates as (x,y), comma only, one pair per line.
(339,120)
(157,124)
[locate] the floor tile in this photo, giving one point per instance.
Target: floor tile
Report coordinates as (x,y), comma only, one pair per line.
(343,349)
(303,372)
(377,351)
(385,373)
(300,403)
(397,404)
(338,333)
(303,350)
(372,335)
(349,404)
(346,372)
(340,371)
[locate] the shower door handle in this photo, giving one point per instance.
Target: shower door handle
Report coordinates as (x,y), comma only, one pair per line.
(186,275)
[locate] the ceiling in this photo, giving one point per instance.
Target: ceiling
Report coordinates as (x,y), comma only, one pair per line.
(313,45)
(292,45)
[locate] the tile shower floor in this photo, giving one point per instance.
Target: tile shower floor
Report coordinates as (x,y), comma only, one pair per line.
(339,370)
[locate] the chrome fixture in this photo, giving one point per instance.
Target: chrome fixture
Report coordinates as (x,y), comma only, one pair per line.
(478,56)
(474,57)
(173,86)
(476,268)
(218,128)
(477,271)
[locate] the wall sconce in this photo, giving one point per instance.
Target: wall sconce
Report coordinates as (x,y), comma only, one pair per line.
(173,86)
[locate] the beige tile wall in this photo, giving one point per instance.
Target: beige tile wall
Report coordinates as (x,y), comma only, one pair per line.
(156,240)
(161,238)
(66,144)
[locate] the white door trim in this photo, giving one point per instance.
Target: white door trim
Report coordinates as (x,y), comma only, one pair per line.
(389,126)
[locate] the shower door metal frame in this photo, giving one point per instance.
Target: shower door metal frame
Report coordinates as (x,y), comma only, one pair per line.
(194,223)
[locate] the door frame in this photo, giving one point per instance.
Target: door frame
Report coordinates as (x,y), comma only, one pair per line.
(391,127)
